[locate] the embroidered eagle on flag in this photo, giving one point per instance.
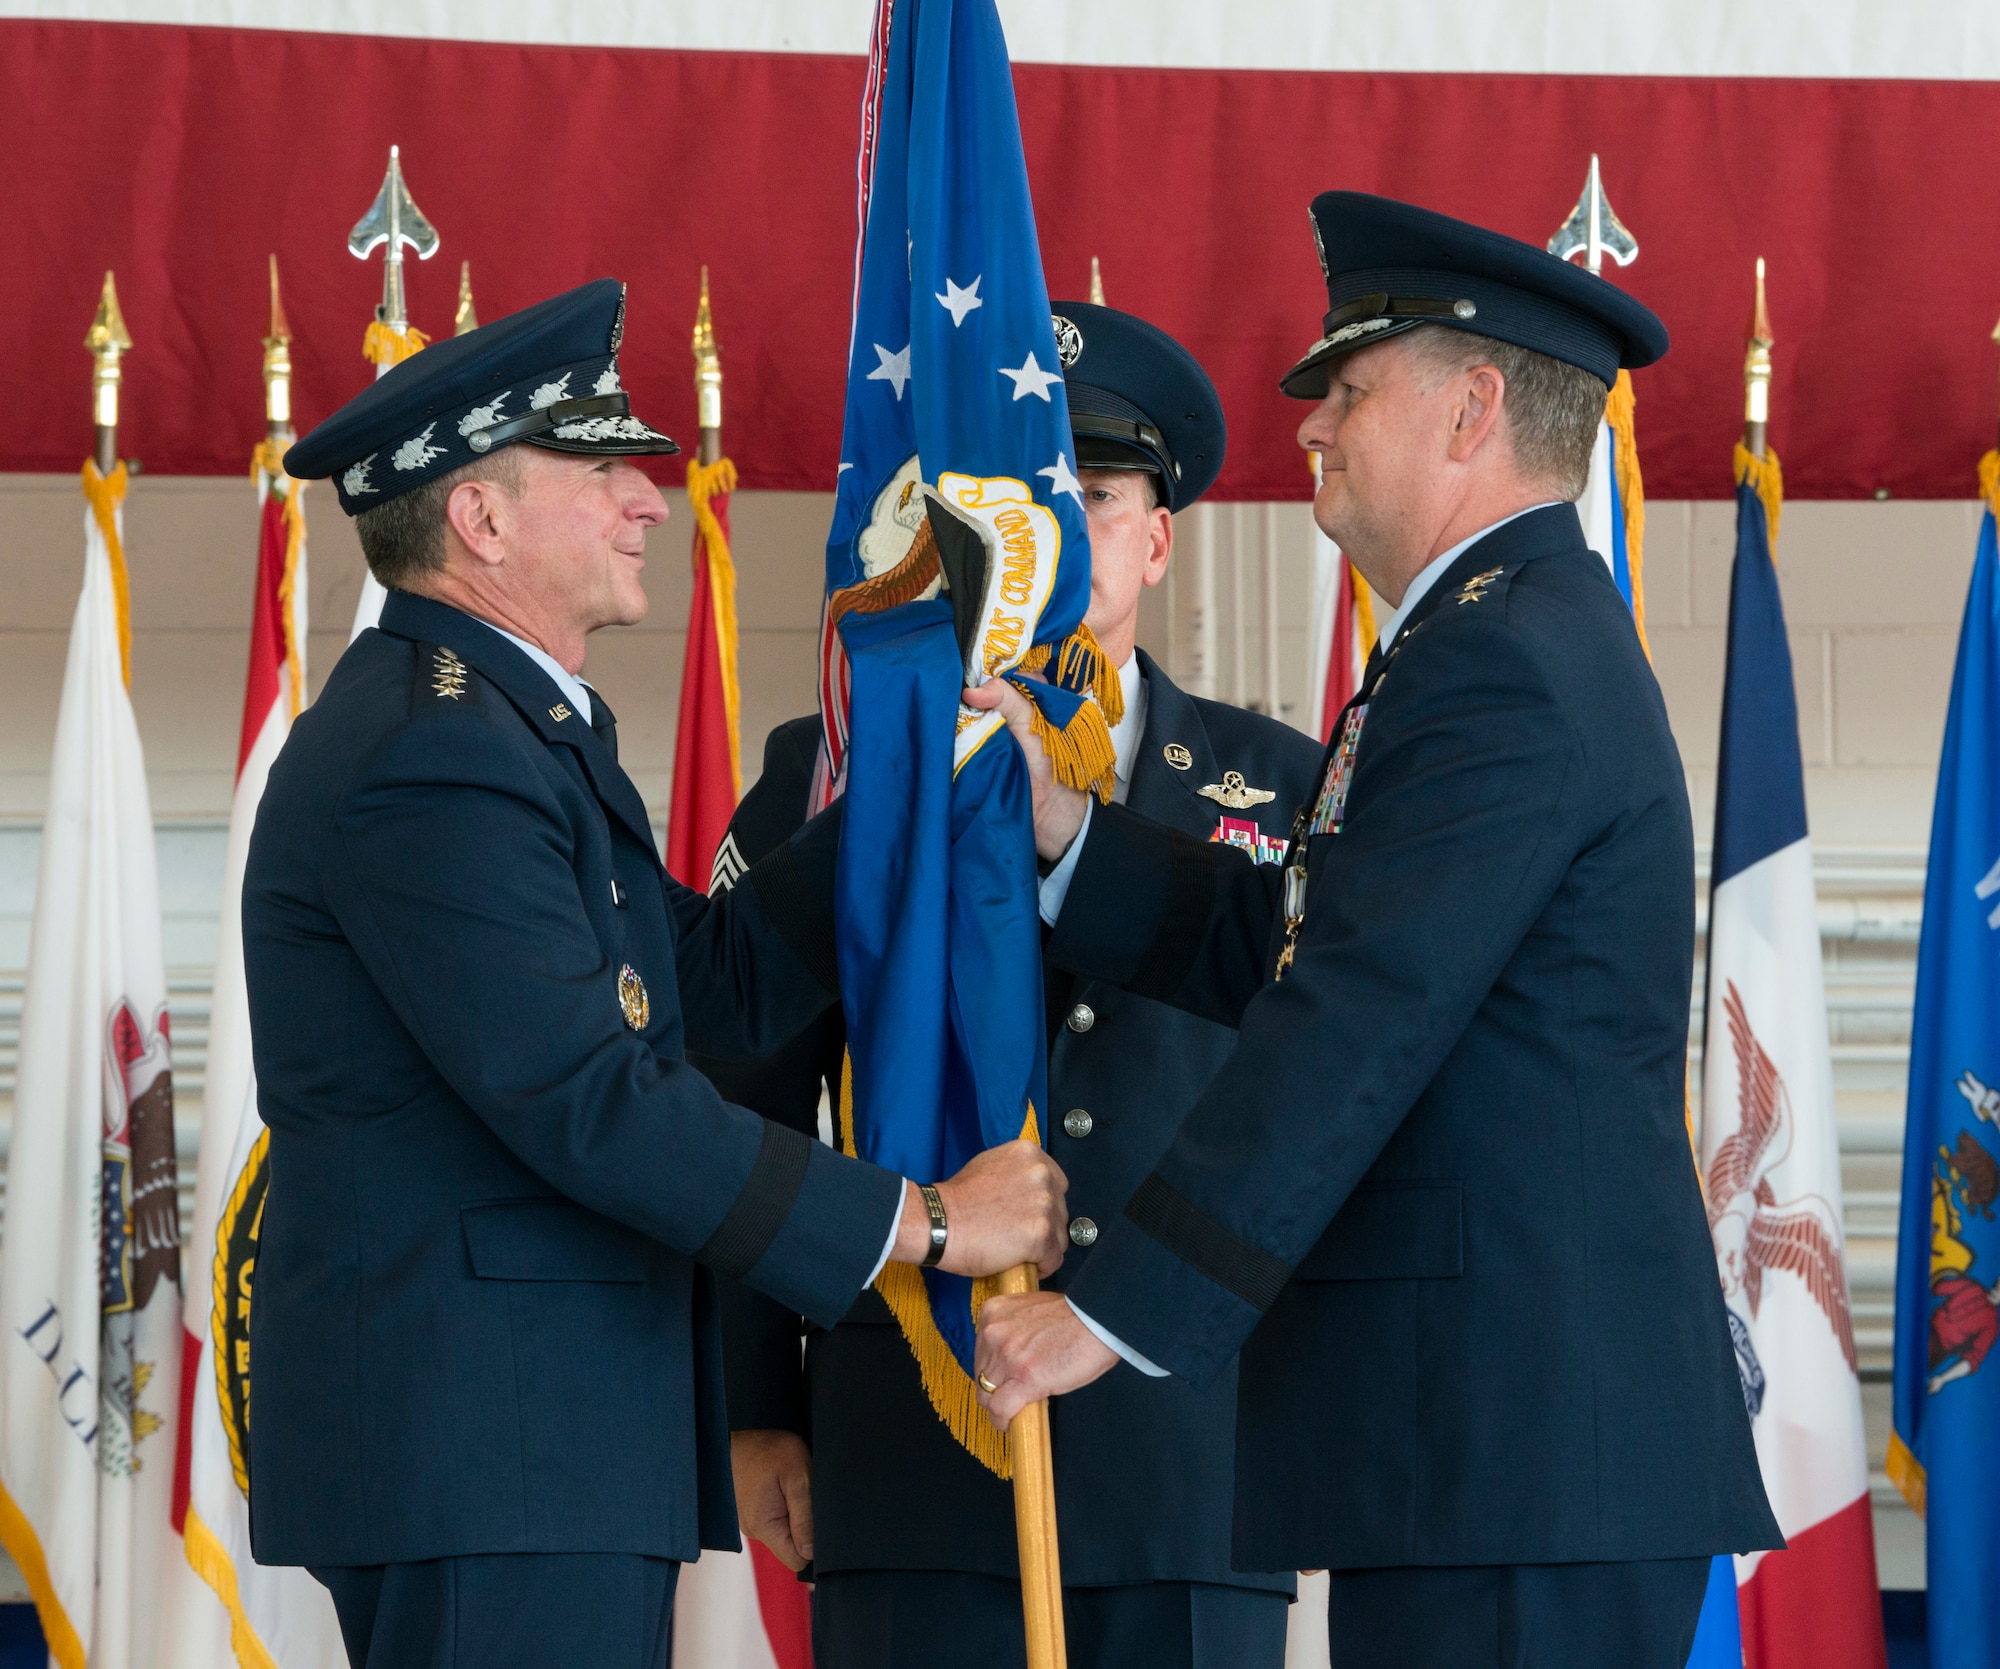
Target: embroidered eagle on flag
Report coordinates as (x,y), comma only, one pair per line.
(1754,1231)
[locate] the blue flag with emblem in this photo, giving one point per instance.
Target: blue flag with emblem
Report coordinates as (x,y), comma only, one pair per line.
(958,553)
(1944,1448)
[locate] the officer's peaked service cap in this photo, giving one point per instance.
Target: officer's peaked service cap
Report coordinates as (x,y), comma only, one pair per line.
(1139,400)
(1392,266)
(547,375)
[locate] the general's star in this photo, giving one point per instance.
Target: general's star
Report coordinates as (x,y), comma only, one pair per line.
(1061,479)
(1030,379)
(959,302)
(894,369)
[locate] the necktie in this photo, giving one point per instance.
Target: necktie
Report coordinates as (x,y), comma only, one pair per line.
(604,722)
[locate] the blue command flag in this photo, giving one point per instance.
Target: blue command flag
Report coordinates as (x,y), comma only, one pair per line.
(1944,1450)
(958,552)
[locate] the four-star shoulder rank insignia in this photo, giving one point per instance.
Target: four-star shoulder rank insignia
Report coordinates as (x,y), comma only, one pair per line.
(1232,792)
(632,998)
(447,674)
(1475,588)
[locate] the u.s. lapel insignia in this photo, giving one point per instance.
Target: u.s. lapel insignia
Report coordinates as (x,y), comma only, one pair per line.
(447,674)
(1475,588)
(1232,792)
(1178,757)
(632,998)
(559,711)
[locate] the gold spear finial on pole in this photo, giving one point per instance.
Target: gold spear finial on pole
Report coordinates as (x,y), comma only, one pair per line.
(1757,372)
(278,367)
(465,319)
(1592,230)
(107,342)
(1096,283)
(707,380)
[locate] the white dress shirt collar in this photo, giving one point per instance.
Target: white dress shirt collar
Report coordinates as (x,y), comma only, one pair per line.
(566,681)
(1434,570)
(1125,734)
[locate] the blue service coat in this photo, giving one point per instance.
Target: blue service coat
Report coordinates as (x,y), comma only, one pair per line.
(484,1318)
(1144,1468)
(1441,1197)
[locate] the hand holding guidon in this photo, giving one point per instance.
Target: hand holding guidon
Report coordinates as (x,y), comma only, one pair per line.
(1005,1208)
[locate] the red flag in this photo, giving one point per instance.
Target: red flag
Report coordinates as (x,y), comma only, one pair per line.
(708,775)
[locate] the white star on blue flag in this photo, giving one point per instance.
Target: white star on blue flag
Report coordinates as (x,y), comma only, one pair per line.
(895,368)
(959,302)
(1061,479)
(1030,379)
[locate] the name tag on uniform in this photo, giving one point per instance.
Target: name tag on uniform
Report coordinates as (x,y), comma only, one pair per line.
(1330,810)
(1240,832)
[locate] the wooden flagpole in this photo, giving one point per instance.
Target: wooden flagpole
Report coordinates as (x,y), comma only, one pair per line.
(1035,1516)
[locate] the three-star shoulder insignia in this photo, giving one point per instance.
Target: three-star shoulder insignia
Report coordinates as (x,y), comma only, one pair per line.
(1475,588)
(1232,792)
(447,675)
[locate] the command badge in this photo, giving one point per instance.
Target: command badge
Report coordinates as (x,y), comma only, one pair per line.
(1232,792)
(632,998)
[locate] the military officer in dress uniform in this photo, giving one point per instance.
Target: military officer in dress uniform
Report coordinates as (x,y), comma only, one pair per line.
(1440,1196)
(841,1459)
(489,1409)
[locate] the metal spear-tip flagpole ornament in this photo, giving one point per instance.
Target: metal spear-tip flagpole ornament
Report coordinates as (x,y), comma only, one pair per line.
(707,379)
(392,223)
(278,368)
(465,320)
(107,341)
(1592,230)
(1757,373)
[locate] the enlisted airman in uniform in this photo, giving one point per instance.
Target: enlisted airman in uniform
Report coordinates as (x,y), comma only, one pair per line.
(489,1410)
(1440,1197)
(840,1458)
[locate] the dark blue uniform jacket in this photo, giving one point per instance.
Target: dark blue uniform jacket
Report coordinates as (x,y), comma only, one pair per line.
(1144,1468)
(484,1317)
(1440,1197)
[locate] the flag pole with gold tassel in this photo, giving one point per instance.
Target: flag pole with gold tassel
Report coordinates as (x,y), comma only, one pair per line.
(104,477)
(267,471)
(708,773)
(1756,462)
(393,222)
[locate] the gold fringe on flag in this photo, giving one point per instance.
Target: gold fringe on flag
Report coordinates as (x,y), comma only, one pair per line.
(267,463)
(384,345)
(1082,752)
(1618,412)
(1905,1471)
(1989,481)
(1081,663)
(1767,481)
(1364,611)
(705,482)
(950,1389)
(105,493)
(210,1561)
(24,1547)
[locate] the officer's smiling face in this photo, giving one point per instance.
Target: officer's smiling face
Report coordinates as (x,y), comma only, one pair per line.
(559,558)
(1131,539)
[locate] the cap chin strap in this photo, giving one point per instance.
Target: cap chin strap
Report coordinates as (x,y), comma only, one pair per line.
(1093,426)
(548,417)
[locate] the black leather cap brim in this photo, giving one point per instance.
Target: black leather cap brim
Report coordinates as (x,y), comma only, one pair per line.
(1313,375)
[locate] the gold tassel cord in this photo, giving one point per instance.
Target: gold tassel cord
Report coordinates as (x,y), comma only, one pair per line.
(105,493)
(1082,752)
(267,470)
(210,1560)
(24,1547)
(950,1389)
(1767,481)
(1989,481)
(386,345)
(1081,664)
(704,483)
(1619,411)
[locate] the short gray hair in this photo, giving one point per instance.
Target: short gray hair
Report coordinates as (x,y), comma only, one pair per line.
(403,540)
(1552,408)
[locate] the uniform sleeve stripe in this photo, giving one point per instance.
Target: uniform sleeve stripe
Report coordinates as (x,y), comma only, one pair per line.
(753,1222)
(801,919)
(1190,898)
(1208,1247)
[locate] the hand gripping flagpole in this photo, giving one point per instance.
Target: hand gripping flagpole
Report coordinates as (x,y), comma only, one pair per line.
(1035,1516)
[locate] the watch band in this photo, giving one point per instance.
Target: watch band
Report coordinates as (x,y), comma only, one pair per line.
(934,1204)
